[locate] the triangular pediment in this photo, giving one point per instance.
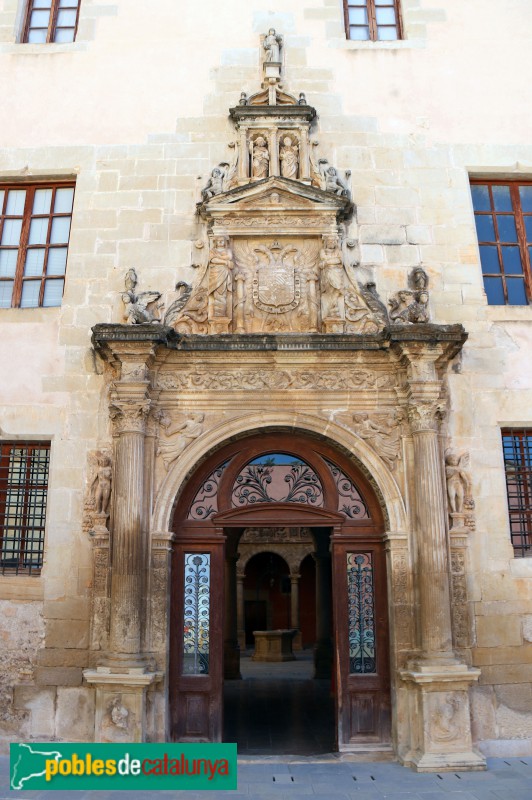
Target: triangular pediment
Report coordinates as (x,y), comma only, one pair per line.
(277,194)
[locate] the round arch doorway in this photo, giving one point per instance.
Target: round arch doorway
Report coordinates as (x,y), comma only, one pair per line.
(270,481)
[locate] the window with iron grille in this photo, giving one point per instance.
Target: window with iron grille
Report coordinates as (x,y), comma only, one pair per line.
(24,470)
(34,233)
(517,448)
(51,21)
(374,20)
(503,216)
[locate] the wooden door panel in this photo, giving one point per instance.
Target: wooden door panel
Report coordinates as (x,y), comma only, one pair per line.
(196,654)
(361,642)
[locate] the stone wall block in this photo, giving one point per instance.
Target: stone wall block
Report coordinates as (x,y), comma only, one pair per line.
(41,705)
(75,714)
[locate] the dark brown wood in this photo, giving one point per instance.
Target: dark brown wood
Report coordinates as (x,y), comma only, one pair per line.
(373,27)
(196,700)
(52,24)
(519,218)
(24,245)
(363,700)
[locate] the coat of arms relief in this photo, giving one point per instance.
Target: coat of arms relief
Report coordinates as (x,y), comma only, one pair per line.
(274,254)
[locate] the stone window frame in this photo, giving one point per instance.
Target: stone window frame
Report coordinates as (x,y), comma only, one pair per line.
(372,7)
(523,241)
(517,453)
(53,29)
(23,246)
(27,498)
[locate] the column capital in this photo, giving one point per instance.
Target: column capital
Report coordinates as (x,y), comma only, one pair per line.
(425,414)
(129,414)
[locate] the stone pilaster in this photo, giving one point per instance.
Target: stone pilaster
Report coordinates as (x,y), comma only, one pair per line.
(437,682)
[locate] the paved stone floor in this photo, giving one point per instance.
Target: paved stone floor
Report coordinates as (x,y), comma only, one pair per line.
(332,778)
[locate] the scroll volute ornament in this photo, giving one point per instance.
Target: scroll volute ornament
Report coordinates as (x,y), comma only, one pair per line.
(129,416)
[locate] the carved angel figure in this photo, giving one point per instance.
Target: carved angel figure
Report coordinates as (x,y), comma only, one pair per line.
(101,485)
(260,158)
(458,481)
(272,45)
(332,278)
(220,277)
(289,158)
(178,437)
(382,434)
(137,309)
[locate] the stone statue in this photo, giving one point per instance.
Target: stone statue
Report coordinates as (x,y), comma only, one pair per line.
(215,184)
(458,482)
(412,305)
(179,437)
(101,486)
(137,309)
(332,278)
(272,45)
(220,277)
(260,158)
(289,158)
(333,182)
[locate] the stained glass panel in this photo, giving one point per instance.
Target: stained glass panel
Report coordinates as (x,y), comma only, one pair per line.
(277,477)
(361,613)
(196,617)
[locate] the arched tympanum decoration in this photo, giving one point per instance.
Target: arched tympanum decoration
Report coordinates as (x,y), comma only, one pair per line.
(272,480)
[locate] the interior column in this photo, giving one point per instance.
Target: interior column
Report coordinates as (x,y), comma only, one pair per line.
(323,651)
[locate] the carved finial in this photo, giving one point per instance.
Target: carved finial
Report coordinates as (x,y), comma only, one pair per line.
(243,99)
(302,99)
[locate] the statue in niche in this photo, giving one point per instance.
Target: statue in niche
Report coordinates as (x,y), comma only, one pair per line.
(272,45)
(101,486)
(412,305)
(289,158)
(332,278)
(137,306)
(220,277)
(458,482)
(178,437)
(260,158)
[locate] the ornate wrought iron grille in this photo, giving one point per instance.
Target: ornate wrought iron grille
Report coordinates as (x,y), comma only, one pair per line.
(205,503)
(350,502)
(361,613)
(196,618)
(517,447)
(277,477)
(24,470)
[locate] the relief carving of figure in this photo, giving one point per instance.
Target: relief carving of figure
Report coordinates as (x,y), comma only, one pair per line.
(446,723)
(458,482)
(260,158)
(137,306)
(215,184)
(412,305)
(272,45)
(289,158)
(101,486)
(383,434)
(178,437)
(332,278)
(220,277)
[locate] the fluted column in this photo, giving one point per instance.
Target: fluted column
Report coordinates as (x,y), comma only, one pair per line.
(129,412)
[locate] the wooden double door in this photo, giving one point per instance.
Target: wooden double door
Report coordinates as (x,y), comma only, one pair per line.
(203,605)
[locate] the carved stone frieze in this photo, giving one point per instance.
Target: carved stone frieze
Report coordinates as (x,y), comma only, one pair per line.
(251,380)
(459,600)
(263,535)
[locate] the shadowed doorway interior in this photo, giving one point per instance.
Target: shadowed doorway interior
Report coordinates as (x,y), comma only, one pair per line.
(279,707)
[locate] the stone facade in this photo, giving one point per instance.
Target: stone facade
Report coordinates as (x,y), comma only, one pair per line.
(410,135)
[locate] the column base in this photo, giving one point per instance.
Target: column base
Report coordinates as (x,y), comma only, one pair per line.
(120,703)
(439,719)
